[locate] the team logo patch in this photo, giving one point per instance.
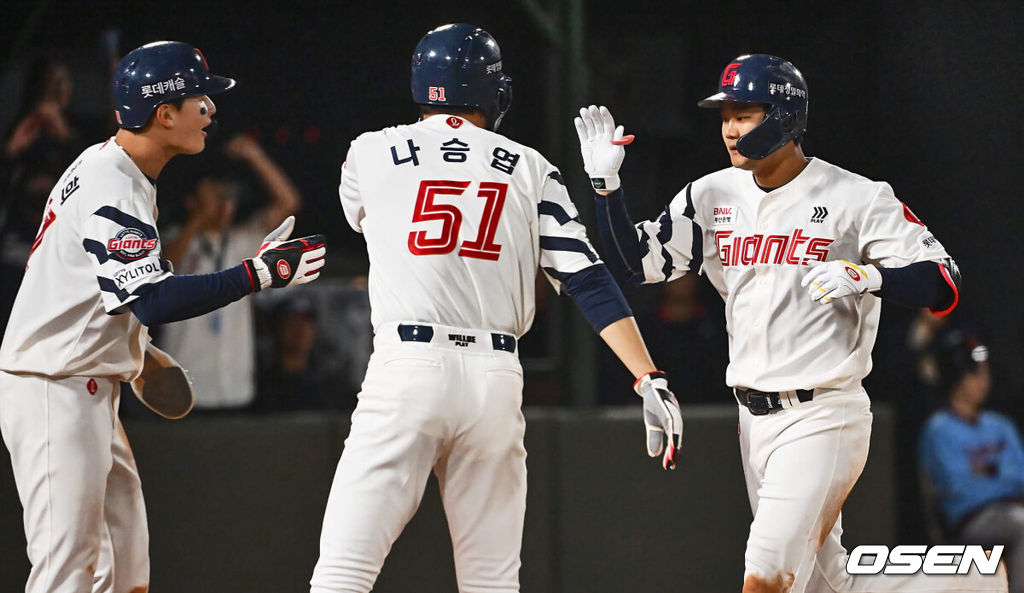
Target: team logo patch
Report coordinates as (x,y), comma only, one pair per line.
(283,269)
(131,244)
(723,215)
(91,386)
(852,274)
(454,121)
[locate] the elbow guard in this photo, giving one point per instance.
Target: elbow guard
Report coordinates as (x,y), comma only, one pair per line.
(951,274)
(953,271)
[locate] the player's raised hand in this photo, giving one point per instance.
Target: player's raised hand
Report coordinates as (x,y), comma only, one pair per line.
(280,262)
(662,418)
(601,144)
(836,279)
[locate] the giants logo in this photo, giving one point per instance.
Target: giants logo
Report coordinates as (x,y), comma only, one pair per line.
(797,249)
(454,121)
(729,75)
(131,244)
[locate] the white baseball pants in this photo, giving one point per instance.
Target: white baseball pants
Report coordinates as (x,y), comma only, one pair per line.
(800,464)
(451,406)
(85,520)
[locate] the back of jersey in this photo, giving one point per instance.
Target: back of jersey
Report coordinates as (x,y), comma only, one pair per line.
(450,213)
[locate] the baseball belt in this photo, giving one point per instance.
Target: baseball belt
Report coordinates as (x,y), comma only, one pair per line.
(425,333)
(761,403)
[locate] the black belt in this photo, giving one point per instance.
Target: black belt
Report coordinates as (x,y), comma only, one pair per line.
(767,402)
(425,333)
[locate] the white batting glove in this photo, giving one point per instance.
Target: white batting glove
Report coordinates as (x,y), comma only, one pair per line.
(601,144)
(280,262)
(662,418)
(839,278)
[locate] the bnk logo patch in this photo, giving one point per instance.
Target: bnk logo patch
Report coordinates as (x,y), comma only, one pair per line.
(131,244)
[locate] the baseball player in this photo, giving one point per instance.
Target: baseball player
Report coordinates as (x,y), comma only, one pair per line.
(456,219)
(94,281)
(802,252)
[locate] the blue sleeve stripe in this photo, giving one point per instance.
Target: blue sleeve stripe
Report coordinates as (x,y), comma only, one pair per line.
(697,247)
(107,285)
(645,242)
(555,210)
(664,236)
(557,177)
(567,244)
(126,220)
(689,211)
(102,255)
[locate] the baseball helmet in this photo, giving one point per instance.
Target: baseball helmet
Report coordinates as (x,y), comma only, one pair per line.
(159,72)
(459,65)
(760,78)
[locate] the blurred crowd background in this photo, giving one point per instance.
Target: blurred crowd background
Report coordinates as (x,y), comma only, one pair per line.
(920,94)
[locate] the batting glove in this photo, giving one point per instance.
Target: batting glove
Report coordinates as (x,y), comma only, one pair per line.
(601,144)
(662,418)
(280,262)
(839,278)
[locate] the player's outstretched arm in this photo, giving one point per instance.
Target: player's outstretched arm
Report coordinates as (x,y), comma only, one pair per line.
(602,147)
(602,303)
(278,263)
(935,285)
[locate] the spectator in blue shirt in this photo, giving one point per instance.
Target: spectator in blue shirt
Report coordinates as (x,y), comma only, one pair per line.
(974,458)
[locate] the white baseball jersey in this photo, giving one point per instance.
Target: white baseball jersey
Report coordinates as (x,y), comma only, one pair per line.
(453,238)
(96,251)
(755,248)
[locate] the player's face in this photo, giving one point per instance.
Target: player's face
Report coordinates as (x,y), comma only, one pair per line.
(196,113)
(737,120)
(975,384)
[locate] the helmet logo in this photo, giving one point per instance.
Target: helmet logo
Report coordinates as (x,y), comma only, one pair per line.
(454,121)
(729,75)
(436,93)
(283,269)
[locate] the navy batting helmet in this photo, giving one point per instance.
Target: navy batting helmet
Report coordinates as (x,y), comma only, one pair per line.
(459,65)
(760,78)
(159,72)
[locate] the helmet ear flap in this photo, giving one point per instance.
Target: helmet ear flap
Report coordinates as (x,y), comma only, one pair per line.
(787,121)
(503,99)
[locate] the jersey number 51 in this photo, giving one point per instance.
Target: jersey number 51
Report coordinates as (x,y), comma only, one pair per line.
(483,247)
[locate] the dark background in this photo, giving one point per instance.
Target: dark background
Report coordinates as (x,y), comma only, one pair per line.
(920,94)
(924,95)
